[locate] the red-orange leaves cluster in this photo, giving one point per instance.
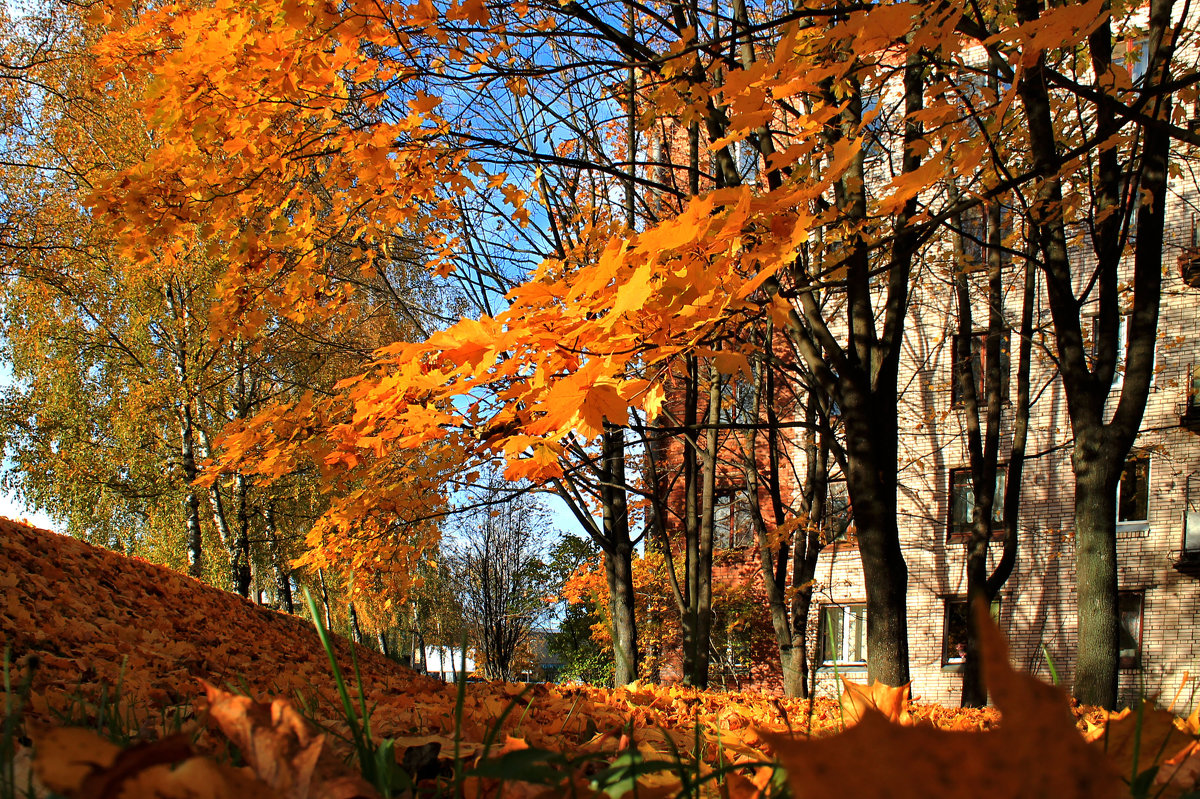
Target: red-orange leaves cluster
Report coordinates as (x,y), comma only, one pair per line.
(250,103)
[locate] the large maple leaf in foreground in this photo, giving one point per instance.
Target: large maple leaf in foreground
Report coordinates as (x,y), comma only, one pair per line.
(1036,750)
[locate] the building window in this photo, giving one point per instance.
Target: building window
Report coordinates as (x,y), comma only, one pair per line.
(957,629)
(1122,350)
(1136,59)
(838,518)
(962,502)
(733,525)
(975,236)
(874,124)
(1129,635)
(978,368)
(1191,408)
(843,634)
(1133,493)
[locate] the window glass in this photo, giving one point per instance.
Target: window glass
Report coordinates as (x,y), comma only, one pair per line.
(838,517)
(1136,59)
(978,367)
(975,236)
(733,525)
(844,634)
(1129,610)
(874,131)
(1133,491)
(962,501)
(957,629)
(1192,408)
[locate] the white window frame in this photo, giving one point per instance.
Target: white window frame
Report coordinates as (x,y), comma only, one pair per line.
(1135,524)
(1123,352)
(846,611)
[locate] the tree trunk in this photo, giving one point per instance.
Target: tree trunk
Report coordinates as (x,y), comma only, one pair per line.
(618,569)
(871,477)
(242,575)
(1096,664)
(618,556)
(701,578)
(283,579)
(355,631)
(325,600)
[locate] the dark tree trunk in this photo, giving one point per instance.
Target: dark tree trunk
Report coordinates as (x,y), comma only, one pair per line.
(1102,442)
(871,476)
(355,631)
(618,558)
(283,579)
(1096,664)
(618,569)
(242,574)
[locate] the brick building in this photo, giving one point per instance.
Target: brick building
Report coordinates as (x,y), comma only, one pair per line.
(1158,530)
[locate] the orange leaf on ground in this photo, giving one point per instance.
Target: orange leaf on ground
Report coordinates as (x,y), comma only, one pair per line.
(1137,741)
(1035,752)
(65,757)
(889,700)
(282,749)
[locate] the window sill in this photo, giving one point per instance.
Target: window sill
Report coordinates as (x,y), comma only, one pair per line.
(1138,529)
(829,668)
(964,537)
(838,546)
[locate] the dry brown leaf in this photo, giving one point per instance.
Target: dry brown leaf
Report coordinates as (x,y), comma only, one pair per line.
(65,756)
(1179,775)
(281,748)
(1034,752)
(195,778)
(889,700)
(1151,737)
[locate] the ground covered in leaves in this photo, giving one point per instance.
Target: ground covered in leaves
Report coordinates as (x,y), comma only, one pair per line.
(192,686)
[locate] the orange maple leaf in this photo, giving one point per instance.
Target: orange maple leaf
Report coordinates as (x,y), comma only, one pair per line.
(282,749)
(1034,752)
(891,701)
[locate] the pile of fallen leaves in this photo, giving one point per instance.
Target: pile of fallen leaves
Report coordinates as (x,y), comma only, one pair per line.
(208,680)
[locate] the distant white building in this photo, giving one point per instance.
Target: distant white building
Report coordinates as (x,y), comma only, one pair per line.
(448,663)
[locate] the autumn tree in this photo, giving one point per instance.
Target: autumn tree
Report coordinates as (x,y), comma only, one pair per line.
(121,379)
(792,526)
(818,151)
(583,658)
(982,384)
(1100,143)
(499,573)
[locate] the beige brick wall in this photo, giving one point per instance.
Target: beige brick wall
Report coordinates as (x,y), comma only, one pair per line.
(1038,604)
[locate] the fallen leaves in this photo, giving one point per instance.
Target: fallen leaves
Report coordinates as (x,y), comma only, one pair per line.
(581,740)
(79,764)
(889,701)
(1034,752)
(282,748)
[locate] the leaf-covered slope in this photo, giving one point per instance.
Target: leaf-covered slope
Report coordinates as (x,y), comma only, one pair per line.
(93,617)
